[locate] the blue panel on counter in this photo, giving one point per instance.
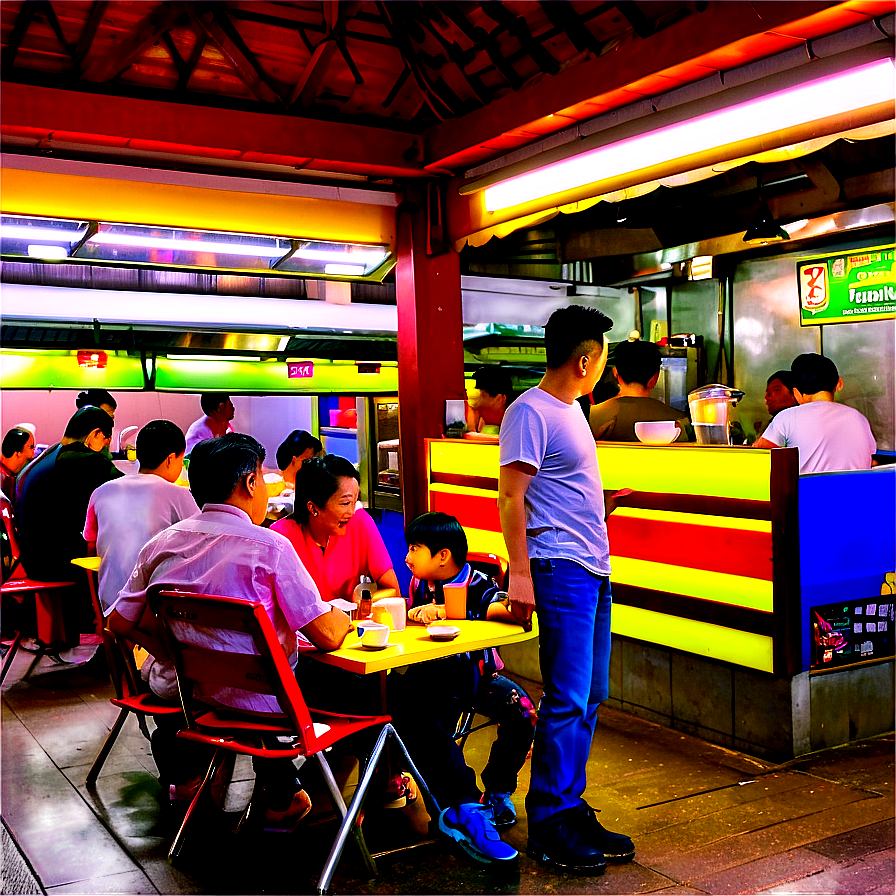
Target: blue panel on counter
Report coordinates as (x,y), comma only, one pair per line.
(847,539)
(344,444)
(391,526)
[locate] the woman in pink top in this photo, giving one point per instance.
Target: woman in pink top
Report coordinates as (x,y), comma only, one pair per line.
(336,543)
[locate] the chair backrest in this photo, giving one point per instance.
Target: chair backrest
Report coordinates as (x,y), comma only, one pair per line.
(267,671)
(490,564)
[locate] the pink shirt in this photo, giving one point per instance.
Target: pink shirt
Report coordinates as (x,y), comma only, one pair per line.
(359,551)
(220,551)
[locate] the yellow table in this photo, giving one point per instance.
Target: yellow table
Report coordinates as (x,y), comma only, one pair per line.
(91,564)
(414,645)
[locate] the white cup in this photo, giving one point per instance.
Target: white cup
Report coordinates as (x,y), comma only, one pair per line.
(374,634)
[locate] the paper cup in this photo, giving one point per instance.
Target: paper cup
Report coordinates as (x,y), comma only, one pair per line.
(374,634)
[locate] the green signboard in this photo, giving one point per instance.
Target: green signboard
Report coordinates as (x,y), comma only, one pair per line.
(847,287)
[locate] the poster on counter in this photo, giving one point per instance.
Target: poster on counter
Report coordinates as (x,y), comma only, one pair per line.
(851,631)
(847,287)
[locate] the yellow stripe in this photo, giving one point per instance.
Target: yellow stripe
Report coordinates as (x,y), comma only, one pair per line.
(485,541)
(175,205)
(724,588)
(703,638)
(695,519)
(464,458)
(686,470)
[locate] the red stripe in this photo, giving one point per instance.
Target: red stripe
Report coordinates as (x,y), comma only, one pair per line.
(736,552)
(473,511)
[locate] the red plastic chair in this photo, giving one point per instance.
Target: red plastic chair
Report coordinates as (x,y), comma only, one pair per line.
(18,586)
(267,671)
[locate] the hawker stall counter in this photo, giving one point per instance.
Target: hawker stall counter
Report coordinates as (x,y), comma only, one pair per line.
(715,592)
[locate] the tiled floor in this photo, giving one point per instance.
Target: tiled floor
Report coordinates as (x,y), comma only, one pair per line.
(704,819)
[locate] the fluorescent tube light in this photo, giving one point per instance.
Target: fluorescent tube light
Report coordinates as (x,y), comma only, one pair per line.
(50,234)
(827,96)
(348,269)
(213,357)
(49,253)
(179,244)
(365,258)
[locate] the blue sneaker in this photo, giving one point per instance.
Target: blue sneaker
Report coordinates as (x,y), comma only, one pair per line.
(502,807)
(471,825)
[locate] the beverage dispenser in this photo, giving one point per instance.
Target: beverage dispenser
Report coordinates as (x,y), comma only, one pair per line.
(709,412)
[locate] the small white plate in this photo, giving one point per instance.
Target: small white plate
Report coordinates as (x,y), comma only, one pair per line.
(443,632)
(377,646)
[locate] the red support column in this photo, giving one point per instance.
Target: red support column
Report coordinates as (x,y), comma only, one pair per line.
(430,345)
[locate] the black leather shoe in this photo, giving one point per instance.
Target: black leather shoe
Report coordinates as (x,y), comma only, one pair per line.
(617,848)
(558,842)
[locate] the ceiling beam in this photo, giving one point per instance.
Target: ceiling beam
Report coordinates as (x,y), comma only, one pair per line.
(45,115)
(724,35)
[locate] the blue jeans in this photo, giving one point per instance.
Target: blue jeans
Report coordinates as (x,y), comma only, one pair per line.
(573,608)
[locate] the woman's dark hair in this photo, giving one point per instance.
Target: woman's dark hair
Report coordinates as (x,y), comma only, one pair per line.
(217,466)
(15,440)
(317,481)
(437,530)
(85,420)
(294,445)
(157,440)
(95,397)
(570,329)
(814,373)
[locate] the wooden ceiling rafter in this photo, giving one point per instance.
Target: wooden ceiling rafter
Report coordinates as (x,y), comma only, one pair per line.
(567,21)
(88,33)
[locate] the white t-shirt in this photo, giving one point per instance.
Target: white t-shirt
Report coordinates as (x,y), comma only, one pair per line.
(122,516)
(830,436)
(565,499)
(199,431)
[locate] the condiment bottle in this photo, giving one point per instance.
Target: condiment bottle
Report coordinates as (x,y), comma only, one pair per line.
(361,597)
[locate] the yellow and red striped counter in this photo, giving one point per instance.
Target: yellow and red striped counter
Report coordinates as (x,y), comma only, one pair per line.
(705,553)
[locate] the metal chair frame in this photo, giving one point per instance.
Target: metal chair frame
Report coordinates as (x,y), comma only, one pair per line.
(267,671)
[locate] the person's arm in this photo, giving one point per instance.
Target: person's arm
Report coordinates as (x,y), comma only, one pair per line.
(763,442)
(513,483)
(328,631)
(145,631)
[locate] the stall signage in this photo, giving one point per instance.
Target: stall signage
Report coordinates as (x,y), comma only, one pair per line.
(851,631)
(300,370)
(847,287)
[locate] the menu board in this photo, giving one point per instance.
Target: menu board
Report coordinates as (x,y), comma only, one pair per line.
(851,631)
(847,287)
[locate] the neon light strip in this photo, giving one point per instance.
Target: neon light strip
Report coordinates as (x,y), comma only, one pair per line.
(142,241)
(694,519)
(703,638)
(858,88)
(720,587)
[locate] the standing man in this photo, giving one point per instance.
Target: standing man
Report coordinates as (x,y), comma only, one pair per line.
(552,514)
(218,411)
(488,402)
(125,513)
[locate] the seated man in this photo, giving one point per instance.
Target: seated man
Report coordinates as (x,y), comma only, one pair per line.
(224,550)
(18,449)
(778,397)
(487,403)
(125,513)
(217,412)
(830,436)
(636,366)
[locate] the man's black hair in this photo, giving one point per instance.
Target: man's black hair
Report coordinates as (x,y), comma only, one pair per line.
(569,330)
(436,530)
(495,381)
(85,420)
(15,440)
(814,373)
(318,480)
(95,397)
(786,378)
(217,466)
(209,401)
(636,362)
(295,445)
(157,440)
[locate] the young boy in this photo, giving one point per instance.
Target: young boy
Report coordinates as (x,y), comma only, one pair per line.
(437,556)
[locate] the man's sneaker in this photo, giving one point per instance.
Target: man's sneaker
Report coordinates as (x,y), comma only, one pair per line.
(503,808)
(399,793)
(471,826)
(557,841)
(617,848)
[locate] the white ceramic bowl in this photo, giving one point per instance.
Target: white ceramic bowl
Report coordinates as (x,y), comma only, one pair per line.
(443,632)
(657,432)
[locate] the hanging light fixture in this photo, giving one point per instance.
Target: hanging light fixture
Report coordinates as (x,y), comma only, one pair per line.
(764,228)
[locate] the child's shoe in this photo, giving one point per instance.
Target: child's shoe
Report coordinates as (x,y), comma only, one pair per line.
(503,808)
